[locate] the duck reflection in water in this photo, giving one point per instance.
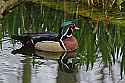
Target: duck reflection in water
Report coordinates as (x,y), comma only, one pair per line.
(66,60)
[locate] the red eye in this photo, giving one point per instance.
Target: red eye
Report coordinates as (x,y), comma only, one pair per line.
(74,26)
(71,26)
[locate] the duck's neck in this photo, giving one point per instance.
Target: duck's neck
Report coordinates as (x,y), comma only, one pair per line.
(63,35)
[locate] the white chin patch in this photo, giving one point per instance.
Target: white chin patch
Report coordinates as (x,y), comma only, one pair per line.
(76,28)
(69,35)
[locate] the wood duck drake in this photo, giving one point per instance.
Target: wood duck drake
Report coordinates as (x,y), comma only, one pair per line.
(49,41)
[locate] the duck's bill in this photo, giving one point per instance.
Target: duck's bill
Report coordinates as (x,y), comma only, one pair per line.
(76,28)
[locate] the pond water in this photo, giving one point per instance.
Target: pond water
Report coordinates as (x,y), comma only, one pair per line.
(100,57)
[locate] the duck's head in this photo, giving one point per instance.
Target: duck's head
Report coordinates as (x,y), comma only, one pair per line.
(67,28)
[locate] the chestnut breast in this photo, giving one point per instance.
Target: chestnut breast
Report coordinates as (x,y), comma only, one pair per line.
(70,43)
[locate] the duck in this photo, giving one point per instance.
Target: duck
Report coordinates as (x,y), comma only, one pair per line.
(63,41)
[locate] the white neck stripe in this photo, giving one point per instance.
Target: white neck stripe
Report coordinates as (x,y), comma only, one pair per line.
(65,33)
(69,35)
(62,41)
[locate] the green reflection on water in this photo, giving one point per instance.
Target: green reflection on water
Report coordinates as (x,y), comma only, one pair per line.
(27,70)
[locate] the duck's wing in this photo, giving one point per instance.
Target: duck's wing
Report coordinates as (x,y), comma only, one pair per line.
(40,34)
(45,37)
(36,37)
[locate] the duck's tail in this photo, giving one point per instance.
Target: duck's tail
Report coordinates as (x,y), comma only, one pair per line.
(21,38)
